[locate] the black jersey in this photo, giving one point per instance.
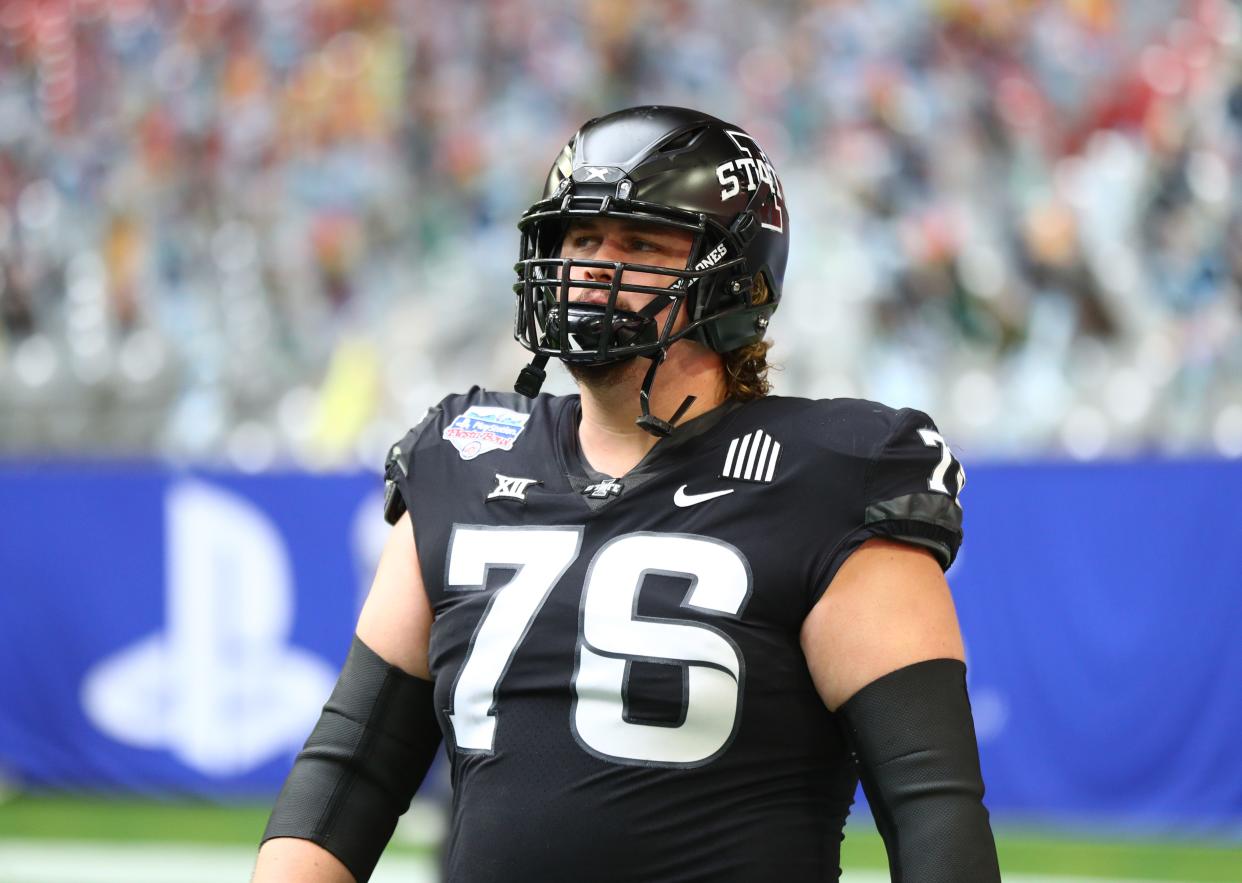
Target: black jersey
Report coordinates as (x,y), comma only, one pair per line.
(617,664)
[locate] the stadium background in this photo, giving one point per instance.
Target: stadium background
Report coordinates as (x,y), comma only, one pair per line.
(245,245)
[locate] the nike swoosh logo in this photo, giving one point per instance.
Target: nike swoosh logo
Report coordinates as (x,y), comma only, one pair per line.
(683,499)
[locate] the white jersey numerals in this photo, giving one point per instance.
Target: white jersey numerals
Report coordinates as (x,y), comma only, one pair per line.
(932,439)
(611,637)
(540,557)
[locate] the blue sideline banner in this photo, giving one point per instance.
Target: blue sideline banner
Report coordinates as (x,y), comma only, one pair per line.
(173,633)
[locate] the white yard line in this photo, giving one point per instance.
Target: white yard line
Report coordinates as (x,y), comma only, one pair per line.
(882,877)
(54,861)
(60,861)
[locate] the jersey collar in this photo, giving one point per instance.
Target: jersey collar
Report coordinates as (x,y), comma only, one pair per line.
(575,465)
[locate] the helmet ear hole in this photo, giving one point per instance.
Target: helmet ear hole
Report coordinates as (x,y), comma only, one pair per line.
(760,289)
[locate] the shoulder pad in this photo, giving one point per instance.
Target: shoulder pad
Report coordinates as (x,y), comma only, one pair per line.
(396,470)
(853,427)
(912,486)
(398,465)
(473,422)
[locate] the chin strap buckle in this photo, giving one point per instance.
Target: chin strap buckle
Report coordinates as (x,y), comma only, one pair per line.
(530,379)
(663,428)
(648,421)
(654,425)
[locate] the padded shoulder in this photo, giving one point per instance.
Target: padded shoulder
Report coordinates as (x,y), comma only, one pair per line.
(399,463)
(908,478)
(852,427)
(912,486)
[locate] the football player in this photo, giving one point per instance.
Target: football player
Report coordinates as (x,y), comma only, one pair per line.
(665,625)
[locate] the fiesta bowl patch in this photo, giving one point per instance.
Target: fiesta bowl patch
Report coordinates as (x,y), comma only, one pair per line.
(481,429)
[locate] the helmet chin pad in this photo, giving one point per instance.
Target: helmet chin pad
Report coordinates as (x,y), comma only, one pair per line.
(589,333)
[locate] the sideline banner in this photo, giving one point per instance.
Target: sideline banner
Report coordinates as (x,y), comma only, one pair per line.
(166,633)
(172,633)
(1102,610)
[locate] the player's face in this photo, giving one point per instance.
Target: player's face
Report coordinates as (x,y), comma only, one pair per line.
(612,239)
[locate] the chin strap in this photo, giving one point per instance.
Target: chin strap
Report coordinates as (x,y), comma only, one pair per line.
(531,378)
(648,421)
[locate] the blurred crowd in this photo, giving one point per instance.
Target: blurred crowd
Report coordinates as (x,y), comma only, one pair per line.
(270,233)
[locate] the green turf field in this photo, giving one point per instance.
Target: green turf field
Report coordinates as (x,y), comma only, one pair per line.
(77,819)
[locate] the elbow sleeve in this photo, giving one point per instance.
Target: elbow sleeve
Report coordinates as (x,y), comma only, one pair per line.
(914,739)
(362,763)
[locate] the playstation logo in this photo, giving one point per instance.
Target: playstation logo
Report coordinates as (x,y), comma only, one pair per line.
(220,684)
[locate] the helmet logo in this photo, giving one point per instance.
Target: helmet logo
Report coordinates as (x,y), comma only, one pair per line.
(757,169)
(607,174)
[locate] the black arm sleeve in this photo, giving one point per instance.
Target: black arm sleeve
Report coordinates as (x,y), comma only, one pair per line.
(362,763)
(914,739)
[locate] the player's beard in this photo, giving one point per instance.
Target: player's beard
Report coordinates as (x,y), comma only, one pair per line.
(602,378)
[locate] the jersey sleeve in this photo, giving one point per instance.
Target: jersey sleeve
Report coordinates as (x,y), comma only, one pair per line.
(909,494)
(399,464)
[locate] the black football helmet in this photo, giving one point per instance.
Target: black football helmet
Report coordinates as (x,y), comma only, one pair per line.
(662,165)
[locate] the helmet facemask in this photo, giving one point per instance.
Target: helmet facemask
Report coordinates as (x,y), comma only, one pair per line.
(666,166)
(550,323)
